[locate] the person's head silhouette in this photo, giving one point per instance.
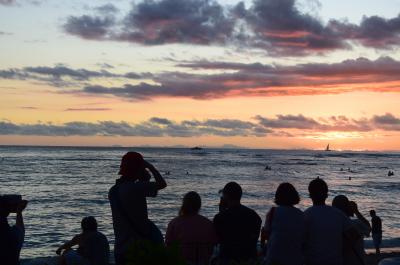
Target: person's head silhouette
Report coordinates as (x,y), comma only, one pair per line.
(191,204)
(133,166)
(318,190)
(286,195)
(342,203)
(372,213)
(89,224)
(231,194)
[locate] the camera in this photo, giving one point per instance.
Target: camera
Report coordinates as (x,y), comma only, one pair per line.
(10,203)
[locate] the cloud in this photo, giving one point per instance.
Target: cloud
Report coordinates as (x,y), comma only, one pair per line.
(374,31)
(380,75)
(107,9)
(87,109)
(3,33)
(13,74)
(7,2)
(387,122)
(29,108)
(193,87)
(158,22)
(230,79)
(105,65)
(331,124)
(280,28)
(161,121)
(276,26)
(61,75)
(278,126)
(61,71)
(288,121)
(14,2)
(89,27)
(177,21)
(154,127)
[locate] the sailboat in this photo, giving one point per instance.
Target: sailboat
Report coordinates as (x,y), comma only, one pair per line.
(327,148)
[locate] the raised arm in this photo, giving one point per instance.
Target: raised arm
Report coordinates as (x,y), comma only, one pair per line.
(161,184)
(360,217)
(19,222)
(67,245)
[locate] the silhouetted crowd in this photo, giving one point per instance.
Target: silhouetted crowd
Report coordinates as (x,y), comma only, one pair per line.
(321,235)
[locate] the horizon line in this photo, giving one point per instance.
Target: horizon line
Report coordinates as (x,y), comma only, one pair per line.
(188,147)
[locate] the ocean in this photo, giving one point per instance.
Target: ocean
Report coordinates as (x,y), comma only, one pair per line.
(65,184)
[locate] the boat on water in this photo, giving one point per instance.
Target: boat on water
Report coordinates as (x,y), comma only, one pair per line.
(327,149)
(196,148)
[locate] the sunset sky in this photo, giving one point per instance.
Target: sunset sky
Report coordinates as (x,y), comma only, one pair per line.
(258,73)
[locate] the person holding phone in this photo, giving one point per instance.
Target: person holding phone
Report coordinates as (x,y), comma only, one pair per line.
(11,237)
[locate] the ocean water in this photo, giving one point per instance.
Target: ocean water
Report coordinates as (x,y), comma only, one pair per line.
(64,184)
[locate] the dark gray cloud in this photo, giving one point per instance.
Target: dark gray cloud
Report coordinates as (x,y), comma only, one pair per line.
(177,21)
(13,74)
(89,27)
(333,123)
(161,121)
(277,26)
(263,80)
(107,9)
(15,2)
(7,2)
(374,31)
(387,122)
(154,127)
(229,80)
(62,71)
(288,122)
(170,86)
(281,28)
(61,75)
(279,126)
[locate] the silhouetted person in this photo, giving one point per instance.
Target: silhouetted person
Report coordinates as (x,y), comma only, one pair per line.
(93,247)
(284,229)
(237,227)
(376,231)
(129,206)
(353,251)
(11,237)
(193,232)
(325,228)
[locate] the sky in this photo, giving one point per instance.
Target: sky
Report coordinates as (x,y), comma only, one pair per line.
(279,74)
